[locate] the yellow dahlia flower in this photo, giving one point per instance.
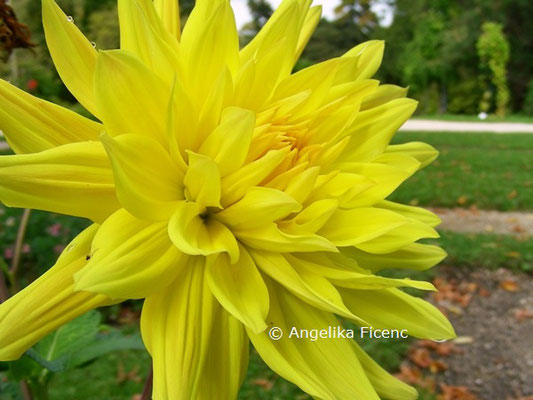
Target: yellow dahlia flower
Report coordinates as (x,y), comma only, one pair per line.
(230,194)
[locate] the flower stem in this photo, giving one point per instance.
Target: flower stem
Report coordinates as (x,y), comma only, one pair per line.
(147,391)
(18,247)
(4,292)
(26,392)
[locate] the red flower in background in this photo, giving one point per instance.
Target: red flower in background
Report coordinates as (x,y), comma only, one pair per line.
(32,85)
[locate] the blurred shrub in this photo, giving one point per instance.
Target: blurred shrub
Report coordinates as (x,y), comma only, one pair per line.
(429,99)
(493,50)
(528,102)
(103,28)
(464,97)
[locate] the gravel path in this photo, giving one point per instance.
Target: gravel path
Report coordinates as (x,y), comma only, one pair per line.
(474,127)
(495,361)
(479,221)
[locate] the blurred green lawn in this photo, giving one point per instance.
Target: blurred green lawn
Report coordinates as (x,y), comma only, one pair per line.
(490,171)
(474,118)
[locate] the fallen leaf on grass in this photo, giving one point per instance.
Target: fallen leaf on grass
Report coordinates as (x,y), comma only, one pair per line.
(455,393)
(523,314)
(132,376)
(264,383)
(512,194)
(438,366)
(513,254)
(420,357)
(484,292)
(509,286)
(462,200)
(409,374)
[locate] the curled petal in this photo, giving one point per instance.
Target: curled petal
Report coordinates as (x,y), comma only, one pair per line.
(130,258)
(202,181)
(259,207)
(148,182)
(195,234)
(240,288)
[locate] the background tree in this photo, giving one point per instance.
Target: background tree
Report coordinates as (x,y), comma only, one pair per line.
(493,51)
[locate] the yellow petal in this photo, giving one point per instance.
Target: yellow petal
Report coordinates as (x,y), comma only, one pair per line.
(311,218)
(394,309)
(318,78)
(415,256)
(310,23)
(423,152)
(130,258)
(359,225)
(347,187)
(31,125)
(176,326)
(227,360)
(49,302)
(130,98)
(284,24)
(148,182)
(309,287)
(142,33)
(257,79)
(398,237)
(340,271)
(325,368)
(382,95)
(301,186)
(73,55)
(386,385)
(417,213)
(210,40)
(271,238)
(229,143)
(386,177)
(235,185)
(169,12)
(373,129)
(195,233)
(74,179)
(240,289)
(369,55)
(260,206)
(202,181)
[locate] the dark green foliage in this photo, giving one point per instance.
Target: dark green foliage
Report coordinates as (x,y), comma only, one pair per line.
(528,102)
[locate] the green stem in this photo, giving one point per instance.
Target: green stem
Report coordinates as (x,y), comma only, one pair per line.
(18,248)
(26,391)
(147,391)
(4,291)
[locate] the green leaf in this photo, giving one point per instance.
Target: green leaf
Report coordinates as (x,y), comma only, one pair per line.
(56,349)
(106,344)
(23,368)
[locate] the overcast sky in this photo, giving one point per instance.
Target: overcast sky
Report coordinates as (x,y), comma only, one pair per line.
(242,13)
